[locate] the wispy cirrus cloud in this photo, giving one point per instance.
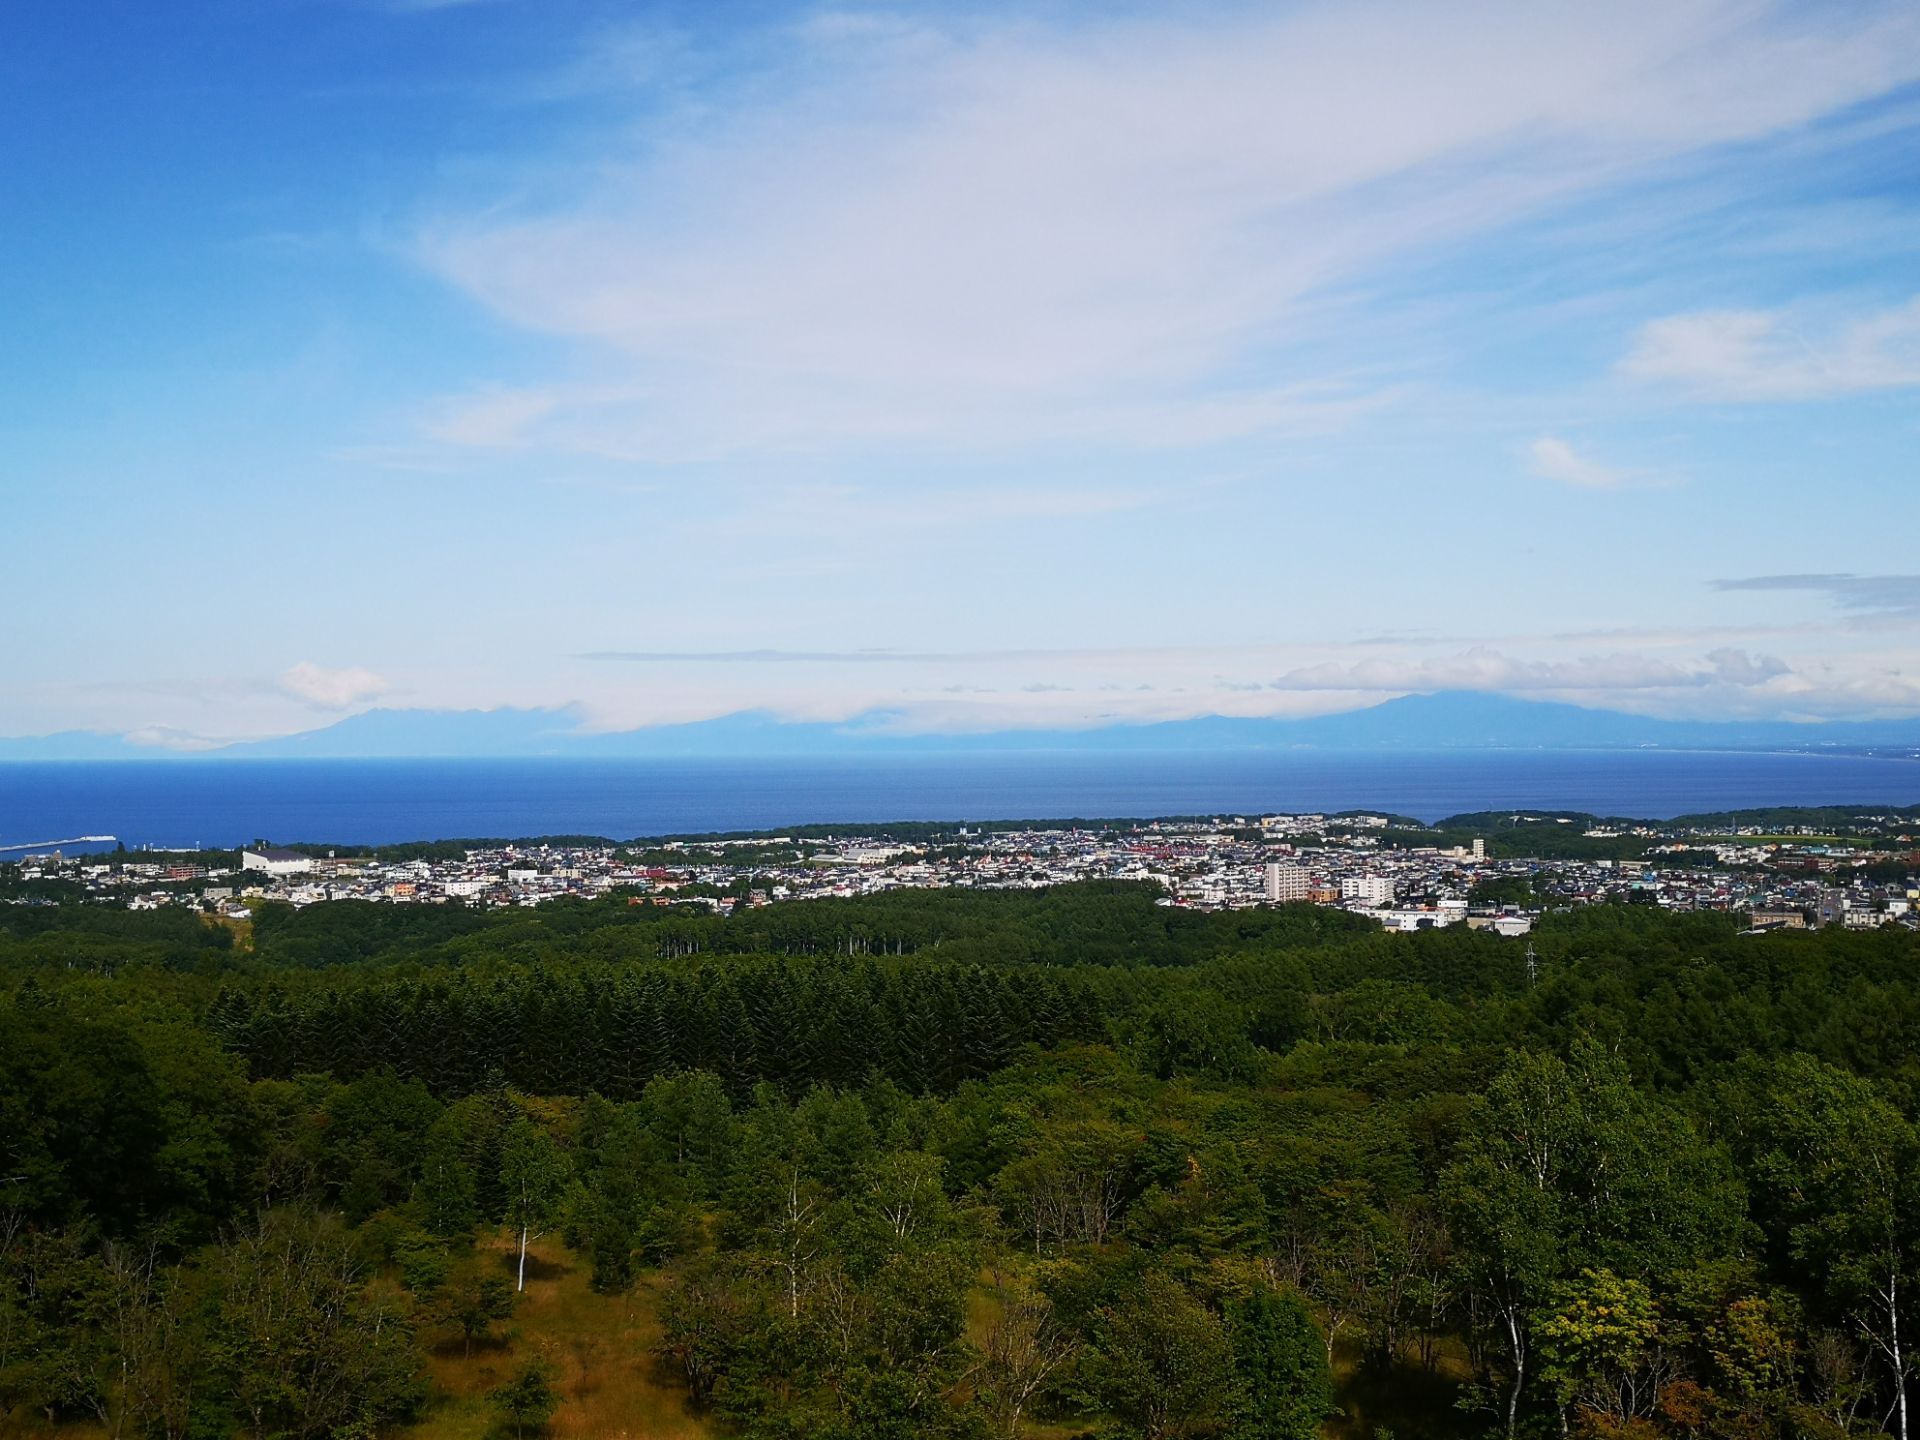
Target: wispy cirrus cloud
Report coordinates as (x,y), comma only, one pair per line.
(981,233)
(1762,355)
(1552,458)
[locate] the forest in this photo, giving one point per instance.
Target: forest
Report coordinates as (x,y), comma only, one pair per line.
(976,1164)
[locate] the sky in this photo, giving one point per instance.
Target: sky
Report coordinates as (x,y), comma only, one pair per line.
(996,365)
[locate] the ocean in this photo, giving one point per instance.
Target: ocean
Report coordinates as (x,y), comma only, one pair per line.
(365,802)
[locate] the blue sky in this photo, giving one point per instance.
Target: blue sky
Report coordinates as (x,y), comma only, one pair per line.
(991,365)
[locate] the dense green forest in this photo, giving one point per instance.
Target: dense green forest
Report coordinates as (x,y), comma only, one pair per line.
(951,1163)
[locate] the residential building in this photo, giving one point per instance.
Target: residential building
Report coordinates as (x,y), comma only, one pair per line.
(1287,884)
(271,860)
(1367,889)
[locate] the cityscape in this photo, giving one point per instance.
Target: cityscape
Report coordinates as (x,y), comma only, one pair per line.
(1370,865)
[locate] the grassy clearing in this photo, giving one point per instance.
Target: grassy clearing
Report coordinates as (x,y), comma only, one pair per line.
(599,1345)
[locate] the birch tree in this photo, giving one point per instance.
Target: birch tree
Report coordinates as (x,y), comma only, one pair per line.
(533,1175)
(1839,1162)
(795,1234)
(1567,1165)
(1024,1348)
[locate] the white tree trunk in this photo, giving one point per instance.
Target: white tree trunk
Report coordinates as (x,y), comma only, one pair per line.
(1519,1370)
(522,1284)
(1899,1360)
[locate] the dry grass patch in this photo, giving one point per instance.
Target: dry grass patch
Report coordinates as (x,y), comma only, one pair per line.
(600,1347)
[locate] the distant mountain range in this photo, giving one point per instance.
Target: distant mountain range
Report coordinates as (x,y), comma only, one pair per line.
(1445,721)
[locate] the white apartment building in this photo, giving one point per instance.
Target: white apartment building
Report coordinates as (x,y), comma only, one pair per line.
(1367,889)
(1286,884)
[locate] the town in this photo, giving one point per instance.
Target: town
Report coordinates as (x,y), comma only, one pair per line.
(1858,874)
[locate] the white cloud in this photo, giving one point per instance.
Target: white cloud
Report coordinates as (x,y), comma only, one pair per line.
(331,689)
(166,737)
(1773,355)
(1009,234)
(1481,668)
(1552,458)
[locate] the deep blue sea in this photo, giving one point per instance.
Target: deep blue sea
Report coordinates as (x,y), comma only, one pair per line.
(381,801)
